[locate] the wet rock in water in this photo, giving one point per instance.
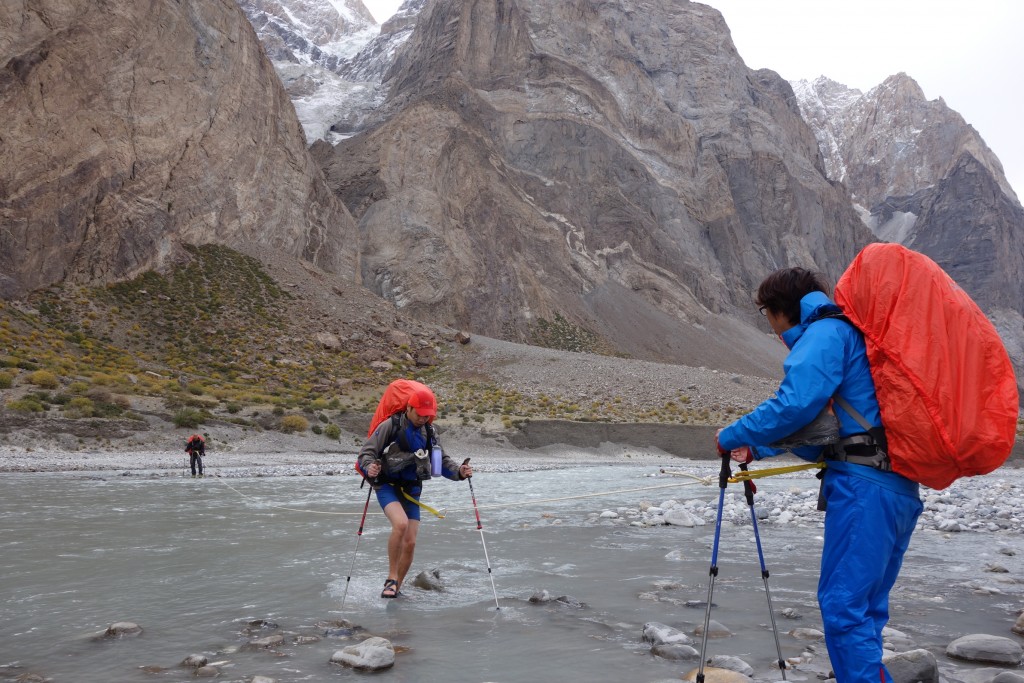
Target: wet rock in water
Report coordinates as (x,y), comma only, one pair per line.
(1018,626)
(996,568)
(429,580)
(980,647)
(265,643)
(791,613)
(263,679)
(732,664)
(207,672)
(543,596)
(714,675)
(122,629)
(257,625)
(660,634)
(675,652)
(911,666)
(306,640)
(897,641)
(195,661)
(373,654)
(811,634)
(1008,677)
(715,630)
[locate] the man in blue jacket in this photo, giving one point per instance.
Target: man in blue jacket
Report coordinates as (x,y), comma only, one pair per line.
(871,511)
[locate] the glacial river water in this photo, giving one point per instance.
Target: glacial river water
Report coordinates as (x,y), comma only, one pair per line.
(193,561)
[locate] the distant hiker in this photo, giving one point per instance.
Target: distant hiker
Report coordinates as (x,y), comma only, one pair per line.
(871,512)
(196,449)
(401,451)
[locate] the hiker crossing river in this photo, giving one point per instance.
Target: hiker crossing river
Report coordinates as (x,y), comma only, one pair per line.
(255,584)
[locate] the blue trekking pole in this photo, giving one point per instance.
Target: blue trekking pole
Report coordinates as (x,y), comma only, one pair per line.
(723,481)
(749,490)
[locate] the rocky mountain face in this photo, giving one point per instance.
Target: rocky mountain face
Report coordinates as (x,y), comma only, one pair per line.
(133,127)
(891,141)
(321,32)
(923,177)
(310,43)
(613,165)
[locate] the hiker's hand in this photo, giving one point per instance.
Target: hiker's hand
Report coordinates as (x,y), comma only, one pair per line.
(721,451)
(373,470)
(742,455)
(465,470)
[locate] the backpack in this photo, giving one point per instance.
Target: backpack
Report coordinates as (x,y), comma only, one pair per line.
(945,386)
(391,405)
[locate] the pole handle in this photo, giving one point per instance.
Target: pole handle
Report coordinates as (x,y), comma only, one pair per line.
(466,462)
(725,472)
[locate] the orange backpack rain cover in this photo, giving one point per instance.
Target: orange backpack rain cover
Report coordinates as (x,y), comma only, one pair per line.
(945,385)
(395,398)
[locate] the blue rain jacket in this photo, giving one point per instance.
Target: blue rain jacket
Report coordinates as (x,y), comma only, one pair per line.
(871,514)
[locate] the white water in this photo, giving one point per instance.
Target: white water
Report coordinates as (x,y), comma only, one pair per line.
(191,561)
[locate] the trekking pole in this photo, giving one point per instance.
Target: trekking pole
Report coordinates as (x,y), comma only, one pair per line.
(480,528)
(749,490)
(359,535)
(723,481)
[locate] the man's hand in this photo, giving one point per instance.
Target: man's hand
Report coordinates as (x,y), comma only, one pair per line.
(721,451)
(742,455)
(373,470)
(465,470)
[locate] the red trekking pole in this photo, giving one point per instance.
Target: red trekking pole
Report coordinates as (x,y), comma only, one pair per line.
(480,528)
(359,536)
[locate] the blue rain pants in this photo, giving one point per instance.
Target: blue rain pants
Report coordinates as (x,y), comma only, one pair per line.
(868,523)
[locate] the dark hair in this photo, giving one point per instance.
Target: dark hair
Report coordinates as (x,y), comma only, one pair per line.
(781,291)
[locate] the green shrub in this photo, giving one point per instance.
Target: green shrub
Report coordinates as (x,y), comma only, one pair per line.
(44,379)
(234,408)
(278,410)
(332,431)
(26,405)
(316,429)
(187,417)
(78,388)
(6,380)
(294,423)
(79,407)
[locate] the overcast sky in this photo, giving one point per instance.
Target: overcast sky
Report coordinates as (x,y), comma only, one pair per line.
(971,54)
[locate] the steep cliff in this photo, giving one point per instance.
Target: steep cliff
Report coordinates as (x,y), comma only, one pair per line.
(133,127)
(611,163)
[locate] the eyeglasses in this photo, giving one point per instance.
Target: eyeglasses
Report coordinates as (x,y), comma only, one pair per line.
(763,310)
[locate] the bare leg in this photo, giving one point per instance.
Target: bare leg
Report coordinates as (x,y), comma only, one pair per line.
(401,543)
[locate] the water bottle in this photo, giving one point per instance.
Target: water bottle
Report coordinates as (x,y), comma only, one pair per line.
(435,461)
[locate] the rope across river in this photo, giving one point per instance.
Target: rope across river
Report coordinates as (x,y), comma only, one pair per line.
(705,481)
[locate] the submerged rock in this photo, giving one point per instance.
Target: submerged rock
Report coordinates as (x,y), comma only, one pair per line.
(195,661)
(660,634)
(732,664)
(715,675)
(429,580)
(122,629)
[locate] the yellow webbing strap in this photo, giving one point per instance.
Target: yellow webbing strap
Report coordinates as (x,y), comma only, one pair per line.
(770,471)
(426,507)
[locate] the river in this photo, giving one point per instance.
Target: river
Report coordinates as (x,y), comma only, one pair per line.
(193,561)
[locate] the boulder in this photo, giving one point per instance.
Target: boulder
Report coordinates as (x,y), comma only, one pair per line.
(429,580)
(373,654)
(732,664)
(675,652)
(714,675)
(912,665)
(660,634)
(980,647)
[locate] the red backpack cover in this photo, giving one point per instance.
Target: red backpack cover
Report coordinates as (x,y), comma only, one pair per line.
(945,385)
(395,398)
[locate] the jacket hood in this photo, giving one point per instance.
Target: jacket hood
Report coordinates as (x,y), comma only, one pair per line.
(812,307)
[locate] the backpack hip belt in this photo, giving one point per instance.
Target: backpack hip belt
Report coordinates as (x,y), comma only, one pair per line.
(860,449)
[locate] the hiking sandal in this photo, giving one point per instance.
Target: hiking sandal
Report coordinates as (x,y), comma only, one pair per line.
(390,589)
